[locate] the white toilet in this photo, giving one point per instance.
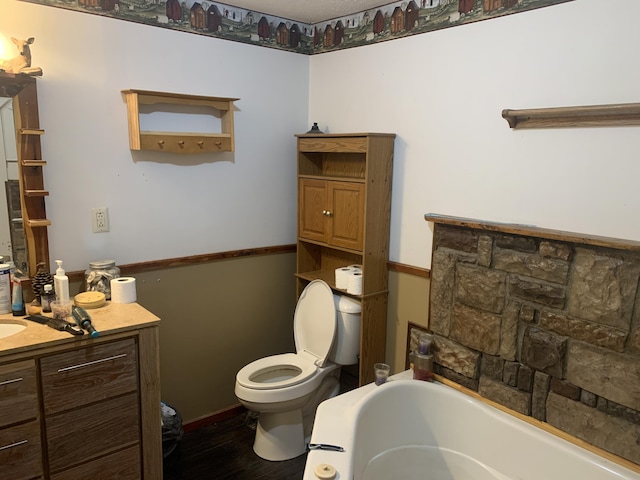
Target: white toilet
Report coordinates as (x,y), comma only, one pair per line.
(286,389)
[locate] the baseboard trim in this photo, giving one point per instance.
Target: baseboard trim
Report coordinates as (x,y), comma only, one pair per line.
(216,417)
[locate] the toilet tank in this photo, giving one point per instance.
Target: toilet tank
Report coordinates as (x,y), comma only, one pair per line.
(346,347)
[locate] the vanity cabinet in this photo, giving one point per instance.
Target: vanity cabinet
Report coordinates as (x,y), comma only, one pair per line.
(83,408)
(344,210)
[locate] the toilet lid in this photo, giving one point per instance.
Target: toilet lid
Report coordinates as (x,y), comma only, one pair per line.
(314,323)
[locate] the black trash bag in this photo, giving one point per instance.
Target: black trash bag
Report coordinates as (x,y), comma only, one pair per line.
(171,428)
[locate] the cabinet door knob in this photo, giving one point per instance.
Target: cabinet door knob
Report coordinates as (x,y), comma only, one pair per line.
(328,213)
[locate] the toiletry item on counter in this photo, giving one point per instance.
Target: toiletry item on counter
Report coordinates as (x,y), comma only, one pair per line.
(123,290)
(5,288)
(17,301)
(88,300)
(56,324)
(47,297)
(61,282)
(83,320)
(99,275)
(61,308)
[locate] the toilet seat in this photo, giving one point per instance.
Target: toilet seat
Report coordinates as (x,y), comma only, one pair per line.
(276,371)
(314,327)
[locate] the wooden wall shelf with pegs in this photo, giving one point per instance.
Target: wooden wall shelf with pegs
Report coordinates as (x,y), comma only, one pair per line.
(179,142)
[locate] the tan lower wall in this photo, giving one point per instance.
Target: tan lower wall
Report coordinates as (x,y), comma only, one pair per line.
(408,302)
(218,316)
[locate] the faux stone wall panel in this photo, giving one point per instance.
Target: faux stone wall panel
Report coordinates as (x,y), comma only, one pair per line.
(527,313)
(555,250)
(509,333)
(516,242)
(603,288)
(537,292)
(541,383)
(443,270)
(588,398)
(456,357)
(498,392)
(532,265)
(565,316)
(455,238)
(611,375)
(525,378)
(480,288)
(510,374)
(565,389)
(492,366)
(617,410)
(476,329)
(543,351)
(594,333)
(610,433)
(485,250)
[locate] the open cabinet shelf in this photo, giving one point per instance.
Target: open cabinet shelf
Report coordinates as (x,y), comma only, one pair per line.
(179,142)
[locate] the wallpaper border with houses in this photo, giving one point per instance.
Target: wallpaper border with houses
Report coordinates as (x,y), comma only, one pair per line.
(393,20)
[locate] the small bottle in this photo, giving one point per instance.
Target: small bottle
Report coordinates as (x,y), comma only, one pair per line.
(47,297)
(61,283)
(5,288)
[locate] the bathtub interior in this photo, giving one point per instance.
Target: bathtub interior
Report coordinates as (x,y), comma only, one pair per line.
(411,429)
(410,413)
(415,462)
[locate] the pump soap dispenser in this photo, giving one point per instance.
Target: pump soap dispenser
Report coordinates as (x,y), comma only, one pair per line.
(61,283)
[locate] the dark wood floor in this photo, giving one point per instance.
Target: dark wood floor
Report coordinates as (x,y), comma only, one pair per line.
(225,451)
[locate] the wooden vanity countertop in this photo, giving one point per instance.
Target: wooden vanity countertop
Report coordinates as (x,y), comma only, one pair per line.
(108,320)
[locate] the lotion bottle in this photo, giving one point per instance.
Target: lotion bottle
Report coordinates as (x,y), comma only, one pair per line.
(61,283)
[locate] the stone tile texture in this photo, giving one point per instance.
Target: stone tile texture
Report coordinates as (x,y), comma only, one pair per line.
(547,328)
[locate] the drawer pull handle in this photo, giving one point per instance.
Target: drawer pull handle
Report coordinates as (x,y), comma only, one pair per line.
(81,365)
(12,445)
(13,380)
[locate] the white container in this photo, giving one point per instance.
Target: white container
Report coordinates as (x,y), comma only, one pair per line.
(61,283)
(5,288)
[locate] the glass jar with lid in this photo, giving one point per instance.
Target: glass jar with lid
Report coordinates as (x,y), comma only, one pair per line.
(98,276)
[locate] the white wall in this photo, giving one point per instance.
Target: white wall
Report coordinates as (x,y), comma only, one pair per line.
(442,93)
(160,205)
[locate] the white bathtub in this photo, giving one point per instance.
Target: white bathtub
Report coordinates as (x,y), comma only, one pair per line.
(410,430)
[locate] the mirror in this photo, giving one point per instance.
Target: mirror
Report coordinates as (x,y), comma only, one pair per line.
(23,223)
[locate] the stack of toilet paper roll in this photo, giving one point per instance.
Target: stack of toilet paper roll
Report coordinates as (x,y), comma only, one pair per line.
(350,279)
(123,290)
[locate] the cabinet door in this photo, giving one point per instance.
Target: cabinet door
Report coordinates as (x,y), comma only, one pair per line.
(312,208)
(346,207)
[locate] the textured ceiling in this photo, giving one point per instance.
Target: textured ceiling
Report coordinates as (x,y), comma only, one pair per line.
(308,11)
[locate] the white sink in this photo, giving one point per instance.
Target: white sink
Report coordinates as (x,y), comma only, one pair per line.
(8,329)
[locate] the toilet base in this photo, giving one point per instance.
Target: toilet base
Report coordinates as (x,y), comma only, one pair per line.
(280,436)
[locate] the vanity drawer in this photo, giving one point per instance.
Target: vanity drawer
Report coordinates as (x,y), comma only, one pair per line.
(89,374)
(18,392)
(20,452)
(87,433)
(123,465)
